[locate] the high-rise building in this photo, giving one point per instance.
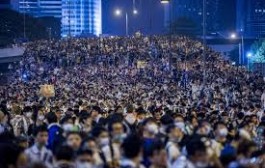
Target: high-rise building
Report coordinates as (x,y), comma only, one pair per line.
(146,16)
(251,17)
(81,18)
(5,4)
(193,10)
(41,8)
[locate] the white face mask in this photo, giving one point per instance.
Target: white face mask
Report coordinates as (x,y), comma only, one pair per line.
(223,132)
(152,128)
(201,165)
(29,114)
(104,141)
(208,130)
(41,117)
(68,127)
(85,165)
(130,118)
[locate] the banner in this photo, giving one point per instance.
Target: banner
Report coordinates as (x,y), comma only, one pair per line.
(47,91)
(141,64)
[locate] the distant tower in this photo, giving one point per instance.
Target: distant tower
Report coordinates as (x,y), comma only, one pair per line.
(81,18)
(40,8)
(251,17)
(193,9)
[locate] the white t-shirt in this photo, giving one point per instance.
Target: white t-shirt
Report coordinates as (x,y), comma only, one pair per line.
(116,152)
(172,153)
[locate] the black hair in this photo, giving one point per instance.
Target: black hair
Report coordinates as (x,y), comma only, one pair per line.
(66,118)
(51,117)
(147,120)
(166,119)
(84,151)
(87,139)
(64,152)
(96,108)
(244,147)
(9,154)
(132,146)
(195,145)
(111,123)
(240,115)
(73,133)
(41,128)
(84,115)
(218,123)
(96,131)
(156,146)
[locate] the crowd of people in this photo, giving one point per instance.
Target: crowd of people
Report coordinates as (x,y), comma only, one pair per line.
(131,102)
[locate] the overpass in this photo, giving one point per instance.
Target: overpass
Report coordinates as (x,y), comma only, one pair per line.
(8,55)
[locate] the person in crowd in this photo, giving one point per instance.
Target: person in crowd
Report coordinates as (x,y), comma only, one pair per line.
(158,156)
(150,130)
(112,152)
(38,152)
(12,155)
(131,102)
(172,147)
(132,148)
(84,158)
(55,131)
(196,156)
(64,157)
(74,139)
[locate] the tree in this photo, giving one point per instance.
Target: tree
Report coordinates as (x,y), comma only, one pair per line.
(258,48)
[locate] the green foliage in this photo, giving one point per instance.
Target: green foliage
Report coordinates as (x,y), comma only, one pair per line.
(258,48)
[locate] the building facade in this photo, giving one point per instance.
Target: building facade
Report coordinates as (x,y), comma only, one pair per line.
(193,10)
(5,4)
(251,18)
(41,8)
(81,18)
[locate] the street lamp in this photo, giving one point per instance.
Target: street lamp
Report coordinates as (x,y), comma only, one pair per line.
(164,1)
(249,55)
(241,47)
(118,12)
(233,36)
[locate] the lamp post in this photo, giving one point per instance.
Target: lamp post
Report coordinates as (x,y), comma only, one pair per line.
(118,12)
(241,49)
(249,55)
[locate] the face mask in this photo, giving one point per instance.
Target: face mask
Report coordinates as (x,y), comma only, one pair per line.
(140,120)
(180,125)
(130,118)
(29,114)
(104,141)
(84,165)
(223,132)
(41,117)
(162,129)
(68,127)
(152,128)
(201,165)
(119,138)
(208,130)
